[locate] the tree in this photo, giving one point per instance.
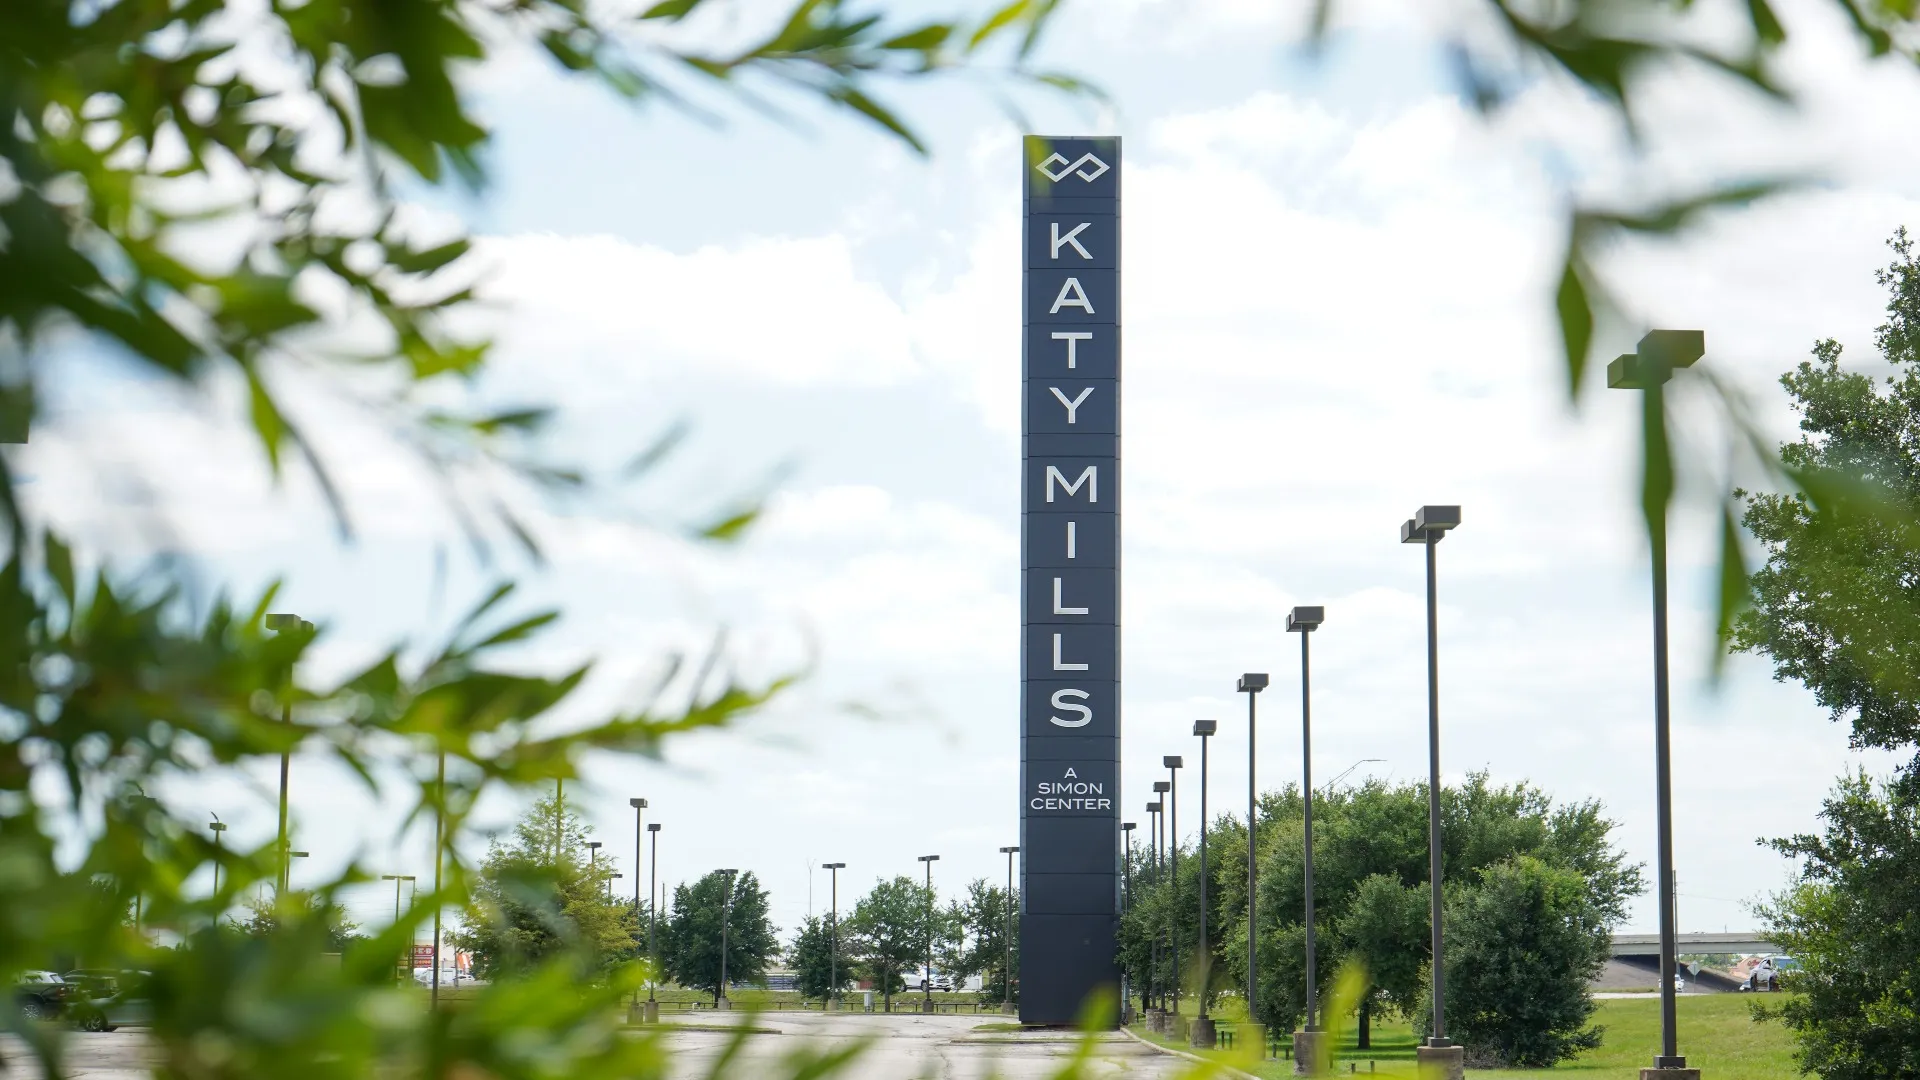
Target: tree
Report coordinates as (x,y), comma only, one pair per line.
(528,908)
(888,932)
(977,939)
(691,953)
(265,918)
(1848,920)
(818,972)
(1525,941)
(1834,607)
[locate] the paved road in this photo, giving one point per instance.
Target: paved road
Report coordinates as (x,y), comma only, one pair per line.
(900,1047)
(910,1047)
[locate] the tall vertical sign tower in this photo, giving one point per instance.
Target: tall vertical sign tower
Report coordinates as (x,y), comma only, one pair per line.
(1070,570)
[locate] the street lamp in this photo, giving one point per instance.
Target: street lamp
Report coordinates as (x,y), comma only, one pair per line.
(1172,763)
(653,918)
(1202,1035)
(397,879)
(1647,369)
(593,854)
(726,898)
(295,855)
(926,983)
(218,827)
(1304,621)
(833,937)
(639,812)
(1251,684)
(1006,971)
(1160,788)
(281,624)
(611,878)
(1126,906)
(1155,1012)
(1427,527)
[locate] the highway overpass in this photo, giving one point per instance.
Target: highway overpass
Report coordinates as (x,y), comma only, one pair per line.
(1745,941)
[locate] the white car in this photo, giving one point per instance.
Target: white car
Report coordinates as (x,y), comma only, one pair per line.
(448,977)
(1766,974)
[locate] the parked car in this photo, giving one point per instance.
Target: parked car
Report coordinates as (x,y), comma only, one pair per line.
(101,999)
(448,976)
(42,994)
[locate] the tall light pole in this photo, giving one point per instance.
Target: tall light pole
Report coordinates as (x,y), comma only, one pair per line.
(1172,763)
(1202,1035)
(217,827)
(1647,369)
(833,936)
(1156,1008)
(593,854)
(1427,527)
(639,813)
(1304,621)
(1251,684)
(281,624)
(397,879)
(1006,967)
(926,983)
(726,898)
(613,877)
(1126,902)
(439,847)
(653,918)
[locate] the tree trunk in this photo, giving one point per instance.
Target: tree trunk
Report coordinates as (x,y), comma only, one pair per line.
(1366,1025)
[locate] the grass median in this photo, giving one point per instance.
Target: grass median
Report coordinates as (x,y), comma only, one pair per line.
(1717,1034)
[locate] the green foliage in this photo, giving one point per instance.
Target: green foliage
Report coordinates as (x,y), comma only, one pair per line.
(265,917)
(718,915)
(977,939)
(1524,944)
(890,930)
(817,972)
(1833,607)
(1855,1007)
(527,909)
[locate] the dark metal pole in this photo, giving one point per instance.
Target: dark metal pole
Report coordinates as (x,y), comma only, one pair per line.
(1663,776)
(439,840)
(1253,953)
(1206,954)
(1006,971)
(1173,880)
(653,909)
(286,757)
(926,984)
(833,936)
(726,897)
(1439,1036)
(1306,772)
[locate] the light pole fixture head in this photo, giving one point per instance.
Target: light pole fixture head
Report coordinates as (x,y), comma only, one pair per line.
(298,854)
(1127,826)
(1010,850)
(1171,761)
(637,804)
(1303,620)
(1252,683)
(833,866)
(617,875)
(217,826)
(1153,808)
(1204,728)
(1655,358)
(396,877)
(1161,787)
(595,845)
(929,858)
(1429,524)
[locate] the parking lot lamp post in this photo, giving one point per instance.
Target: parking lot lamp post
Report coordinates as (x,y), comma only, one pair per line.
(1006,967)
(1159,871)
(281,624)
(1304,621)
(1647,370)
(611,878)
(1173,763)
(593,855)
(1126,901)
(1202,1025)
(1251,684)
(833,934)
(726,898)
(1154,811)
(218,827)
(653,910)
(926,984)
(639,812)
(397,879)
(1427,527)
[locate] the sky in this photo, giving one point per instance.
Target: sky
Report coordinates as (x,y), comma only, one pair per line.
(1337,283)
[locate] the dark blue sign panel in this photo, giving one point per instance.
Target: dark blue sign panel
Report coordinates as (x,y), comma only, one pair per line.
(1070,579)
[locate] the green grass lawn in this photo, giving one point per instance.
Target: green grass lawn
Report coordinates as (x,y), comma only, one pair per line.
(1717,1035)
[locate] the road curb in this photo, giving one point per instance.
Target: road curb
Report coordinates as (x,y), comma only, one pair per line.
(1229,1070)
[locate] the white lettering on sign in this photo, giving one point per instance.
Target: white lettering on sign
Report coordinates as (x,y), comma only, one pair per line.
(1059,605)
(1059,241)
(1086,714)
(1089,476)
(1072,338)
(1071,287)
(1038,803)
(1073,405)
(1060,664)
(1071,528)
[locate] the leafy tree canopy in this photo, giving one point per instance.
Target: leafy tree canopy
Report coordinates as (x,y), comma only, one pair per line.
(715,909)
